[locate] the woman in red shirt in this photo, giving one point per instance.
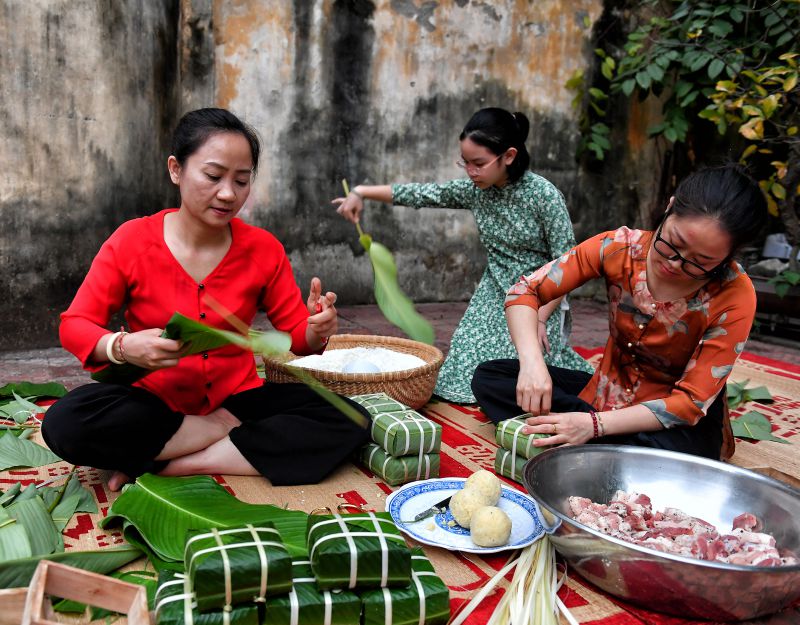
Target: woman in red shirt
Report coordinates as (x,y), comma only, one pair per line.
(680,311)
(207,412)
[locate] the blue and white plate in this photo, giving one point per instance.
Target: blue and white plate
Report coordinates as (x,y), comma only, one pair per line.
(416,497)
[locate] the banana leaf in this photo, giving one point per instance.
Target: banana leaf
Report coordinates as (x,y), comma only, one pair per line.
(62,513)
(11,494)
(33,389)
(508,435)
(755,426)
(164,509)
(16,452)
(32,514)
(73,488)
(395,305)
(19,409)
(17,573)
(198,337)
(14,541)
(399,470)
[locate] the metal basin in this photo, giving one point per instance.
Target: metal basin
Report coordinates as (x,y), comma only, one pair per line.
(713,491)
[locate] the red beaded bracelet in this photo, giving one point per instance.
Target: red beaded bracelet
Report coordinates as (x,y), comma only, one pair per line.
(593,415)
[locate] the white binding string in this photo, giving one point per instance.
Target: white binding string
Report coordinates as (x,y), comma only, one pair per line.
(351,545)
(387,606)
(160,603)
(421,591)
(226,568)
(328,607)
(294,606)
(262,555)
(384,550)
(188,616)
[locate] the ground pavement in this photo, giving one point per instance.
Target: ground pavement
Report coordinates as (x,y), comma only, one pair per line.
(590,330)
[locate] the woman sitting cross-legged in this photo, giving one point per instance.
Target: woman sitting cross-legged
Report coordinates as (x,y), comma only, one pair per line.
(208,412)
(680,310)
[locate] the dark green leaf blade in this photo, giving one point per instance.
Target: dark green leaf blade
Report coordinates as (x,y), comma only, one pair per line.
(45,537)
(394,304)
(14,541)
(33,389)
(17,573)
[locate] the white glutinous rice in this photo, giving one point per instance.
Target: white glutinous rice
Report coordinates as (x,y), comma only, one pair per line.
(335,360)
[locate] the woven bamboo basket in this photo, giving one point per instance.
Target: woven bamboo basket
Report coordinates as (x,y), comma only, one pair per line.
(412,387)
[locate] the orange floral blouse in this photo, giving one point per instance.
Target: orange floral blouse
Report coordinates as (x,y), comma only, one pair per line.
(673,357)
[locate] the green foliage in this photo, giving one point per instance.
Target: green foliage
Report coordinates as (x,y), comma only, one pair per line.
(17,452)
(755,426)
(395,305)
(739,394)
(784,281)
(729,63)
(159,511)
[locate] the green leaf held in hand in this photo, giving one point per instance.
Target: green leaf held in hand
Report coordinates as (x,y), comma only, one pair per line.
(755,426)
(395,305)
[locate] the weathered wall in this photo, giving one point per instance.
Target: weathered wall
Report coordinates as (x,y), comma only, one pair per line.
(374,91)
(86,105)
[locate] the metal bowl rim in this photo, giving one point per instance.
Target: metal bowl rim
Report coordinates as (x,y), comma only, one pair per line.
(793,568)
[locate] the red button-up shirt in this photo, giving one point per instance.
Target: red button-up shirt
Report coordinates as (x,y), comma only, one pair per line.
(135,268)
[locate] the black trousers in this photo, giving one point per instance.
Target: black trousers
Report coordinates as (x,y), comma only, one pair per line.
(495,387)
(288,432)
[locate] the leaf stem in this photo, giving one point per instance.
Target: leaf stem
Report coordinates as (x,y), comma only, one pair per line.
(346,188)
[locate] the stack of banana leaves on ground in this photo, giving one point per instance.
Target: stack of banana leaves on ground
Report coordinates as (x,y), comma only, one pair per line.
(405,445)
(515,448)
(225,561)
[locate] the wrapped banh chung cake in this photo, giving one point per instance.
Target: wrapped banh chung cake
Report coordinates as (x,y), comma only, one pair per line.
(357,551)
(174,604)
(426,601)
(229,566)
(396,471)
(398,429)
(306,604)
(508,435)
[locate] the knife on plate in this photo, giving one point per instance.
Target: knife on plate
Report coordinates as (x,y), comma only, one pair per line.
(438,508)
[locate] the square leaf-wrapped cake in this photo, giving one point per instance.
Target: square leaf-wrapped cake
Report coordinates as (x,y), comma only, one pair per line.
(306,604)
(509,465)
(426,601)
(175,604)
(395,471)
(237,565)
(508,435)
(357,551)
(400,430)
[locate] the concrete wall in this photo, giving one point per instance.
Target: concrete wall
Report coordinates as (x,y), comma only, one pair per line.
(374,91)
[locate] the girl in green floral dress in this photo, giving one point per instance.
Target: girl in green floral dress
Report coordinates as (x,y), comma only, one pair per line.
(523,223)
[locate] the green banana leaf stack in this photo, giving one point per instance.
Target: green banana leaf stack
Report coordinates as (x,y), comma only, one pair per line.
(425,600)
(406,446)
(357,551)
(515,448)
(175,605)
(237,565)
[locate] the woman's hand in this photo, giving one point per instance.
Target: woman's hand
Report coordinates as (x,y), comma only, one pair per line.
(534,389)
(565,428)
(324,320)
(544,342)
(350,207)
(148,349)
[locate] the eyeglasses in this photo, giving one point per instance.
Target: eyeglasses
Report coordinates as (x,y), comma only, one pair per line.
(692,269)
(475,169)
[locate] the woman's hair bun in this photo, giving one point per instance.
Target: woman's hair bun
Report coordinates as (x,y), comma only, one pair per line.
(524,126)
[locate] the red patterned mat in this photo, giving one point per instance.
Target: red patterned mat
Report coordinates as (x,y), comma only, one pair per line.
(468,445)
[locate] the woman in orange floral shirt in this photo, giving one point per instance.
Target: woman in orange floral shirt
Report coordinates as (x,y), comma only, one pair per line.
(680,310)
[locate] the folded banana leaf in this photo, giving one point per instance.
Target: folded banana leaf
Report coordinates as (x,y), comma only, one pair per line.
(426,601)
(509,465)
(357,551)
(175,605)
(509,436)
(237,565)
(396,471)
(197,337)
(306,604)
(400,430)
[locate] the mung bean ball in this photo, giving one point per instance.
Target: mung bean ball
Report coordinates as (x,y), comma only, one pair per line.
(486,484)
(490,527)
(464,503)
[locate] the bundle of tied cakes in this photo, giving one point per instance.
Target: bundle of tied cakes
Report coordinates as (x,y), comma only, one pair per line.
(405,445)
(366,553)
(515,448)
(228,573)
